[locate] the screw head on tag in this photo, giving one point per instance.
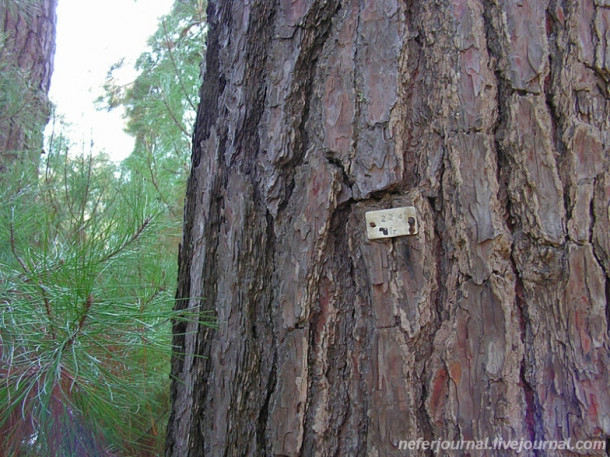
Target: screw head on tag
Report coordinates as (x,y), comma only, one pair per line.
(388,223)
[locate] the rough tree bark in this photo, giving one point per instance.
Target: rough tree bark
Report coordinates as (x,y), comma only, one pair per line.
(492,119)
(27,28)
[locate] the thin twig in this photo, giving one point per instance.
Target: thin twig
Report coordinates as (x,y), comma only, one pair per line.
(154,181)
(173,116)
(81,321)
(28,272)
(133,238)
(171,58)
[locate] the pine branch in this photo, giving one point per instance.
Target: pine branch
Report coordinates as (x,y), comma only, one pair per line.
(81,321)
(126,243)
(32,275)
(173,116)
(177,72)
(155,185)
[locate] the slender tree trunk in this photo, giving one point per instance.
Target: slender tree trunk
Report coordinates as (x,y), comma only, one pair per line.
(27,47)
(27,31)
(492,120)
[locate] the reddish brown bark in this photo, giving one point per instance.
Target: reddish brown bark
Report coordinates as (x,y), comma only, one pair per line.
(492,119)
(28,31)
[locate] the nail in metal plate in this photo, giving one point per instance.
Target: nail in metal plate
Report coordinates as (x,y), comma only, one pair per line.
(388,223)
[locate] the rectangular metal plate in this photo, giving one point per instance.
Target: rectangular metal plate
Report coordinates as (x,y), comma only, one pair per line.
(388,223)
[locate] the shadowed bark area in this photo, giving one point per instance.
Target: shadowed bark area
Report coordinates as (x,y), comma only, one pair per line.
(492,119)
(27,38)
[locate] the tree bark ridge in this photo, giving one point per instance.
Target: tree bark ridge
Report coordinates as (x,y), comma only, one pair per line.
(28,46)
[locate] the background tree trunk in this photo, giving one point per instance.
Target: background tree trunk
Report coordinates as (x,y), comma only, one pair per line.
(27,28)
(27,47)
(492,119)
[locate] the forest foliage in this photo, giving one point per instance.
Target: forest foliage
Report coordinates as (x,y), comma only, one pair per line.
(88,254)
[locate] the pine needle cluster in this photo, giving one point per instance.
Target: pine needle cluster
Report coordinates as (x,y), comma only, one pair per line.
(86,294)
(88,253)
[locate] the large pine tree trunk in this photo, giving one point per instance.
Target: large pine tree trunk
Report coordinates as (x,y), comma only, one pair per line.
(492,119)
(27,39)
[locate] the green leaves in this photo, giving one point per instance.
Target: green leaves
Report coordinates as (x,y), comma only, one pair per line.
(87,271)
(86,294)
(88,268)
(162,102)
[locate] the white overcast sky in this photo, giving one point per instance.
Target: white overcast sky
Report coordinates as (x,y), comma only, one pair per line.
(91,36)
